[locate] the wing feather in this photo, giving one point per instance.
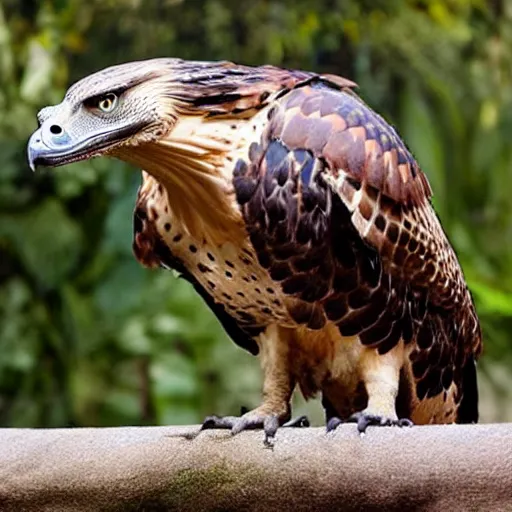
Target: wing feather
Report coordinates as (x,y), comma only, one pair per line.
(339,211)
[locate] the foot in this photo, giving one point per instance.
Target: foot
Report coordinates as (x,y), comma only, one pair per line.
(299,422)
(253,420)
(364,420)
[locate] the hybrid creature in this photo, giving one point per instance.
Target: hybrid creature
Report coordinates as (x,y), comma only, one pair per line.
(303,221)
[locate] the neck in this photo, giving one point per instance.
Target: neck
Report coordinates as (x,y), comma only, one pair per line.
(194,163)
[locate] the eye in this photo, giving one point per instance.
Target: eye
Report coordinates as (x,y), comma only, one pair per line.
(108,102)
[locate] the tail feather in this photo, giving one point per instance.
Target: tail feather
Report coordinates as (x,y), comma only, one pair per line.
(468,409)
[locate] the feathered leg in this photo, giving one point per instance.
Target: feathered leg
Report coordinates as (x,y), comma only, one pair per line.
(278,384)
(381,376)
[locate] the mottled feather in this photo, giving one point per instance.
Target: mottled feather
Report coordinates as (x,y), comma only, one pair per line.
(341,217)
(300,217)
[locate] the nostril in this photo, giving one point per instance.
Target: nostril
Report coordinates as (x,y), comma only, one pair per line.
(55,129)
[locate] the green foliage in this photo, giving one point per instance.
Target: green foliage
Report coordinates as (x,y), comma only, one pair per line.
(88,337)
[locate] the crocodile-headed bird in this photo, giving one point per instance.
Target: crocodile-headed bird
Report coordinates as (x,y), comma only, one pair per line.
(301,218)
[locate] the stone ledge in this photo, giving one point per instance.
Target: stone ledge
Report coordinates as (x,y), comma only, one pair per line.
(450,467)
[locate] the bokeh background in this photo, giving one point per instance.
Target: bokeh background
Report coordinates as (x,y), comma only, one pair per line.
(87,336)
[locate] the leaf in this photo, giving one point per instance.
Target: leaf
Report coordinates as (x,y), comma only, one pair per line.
(492,301)
(174,376)
(71,181)
(119,291)
(119,225)
(48,241)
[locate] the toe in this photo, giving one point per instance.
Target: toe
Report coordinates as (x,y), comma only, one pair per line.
(238,427)
(248,421)
(385,421)
(210,422)
(364,420)
(300,422)
(224,422)
(270,426)
(333,424)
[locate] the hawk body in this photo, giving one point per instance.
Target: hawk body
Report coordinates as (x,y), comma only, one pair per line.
(304,222)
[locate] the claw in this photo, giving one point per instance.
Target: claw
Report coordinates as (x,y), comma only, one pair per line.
(223,422)
(269,423)
(270,426)
(364,420)
(333,424)
(405,422)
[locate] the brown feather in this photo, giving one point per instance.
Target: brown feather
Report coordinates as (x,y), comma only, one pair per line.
(302,219)
(338,218)
(388,272)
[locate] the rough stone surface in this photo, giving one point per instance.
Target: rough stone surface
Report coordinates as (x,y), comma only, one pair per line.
(452,468)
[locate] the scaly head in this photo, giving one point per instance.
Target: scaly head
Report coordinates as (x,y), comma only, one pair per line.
(140,102)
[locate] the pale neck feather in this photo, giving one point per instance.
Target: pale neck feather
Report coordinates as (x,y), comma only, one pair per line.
(194,162)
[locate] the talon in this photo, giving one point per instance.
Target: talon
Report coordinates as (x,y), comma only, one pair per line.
(270,426)
(269,441)
(365,420)
(209,422)
(212,422)
(333,424)
(270,423)
(385,422)
(237,428)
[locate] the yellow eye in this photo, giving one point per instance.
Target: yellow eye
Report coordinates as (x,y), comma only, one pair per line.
(108,102)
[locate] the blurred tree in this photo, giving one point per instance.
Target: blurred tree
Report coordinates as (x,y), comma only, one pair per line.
(90,338)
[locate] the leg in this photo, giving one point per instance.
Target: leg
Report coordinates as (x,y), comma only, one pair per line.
(278,386)
(381,376)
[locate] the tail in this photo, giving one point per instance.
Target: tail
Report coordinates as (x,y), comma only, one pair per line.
(468,409)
